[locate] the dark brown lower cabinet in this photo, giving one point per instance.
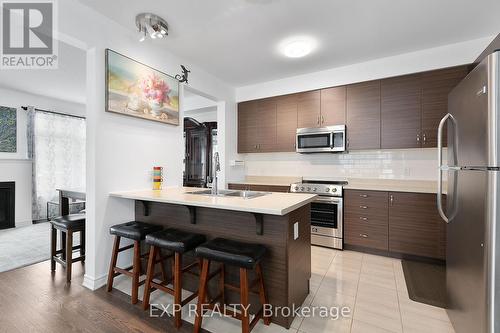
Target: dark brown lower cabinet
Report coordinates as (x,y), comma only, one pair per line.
(398,223)
(365,219)
(263,188)
(415,226)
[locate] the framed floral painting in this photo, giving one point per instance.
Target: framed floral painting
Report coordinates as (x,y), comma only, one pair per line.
(137,90)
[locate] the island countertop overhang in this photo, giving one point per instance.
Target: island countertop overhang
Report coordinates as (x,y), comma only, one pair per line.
(272,203)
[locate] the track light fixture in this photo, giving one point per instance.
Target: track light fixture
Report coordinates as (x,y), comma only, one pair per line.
(151,25)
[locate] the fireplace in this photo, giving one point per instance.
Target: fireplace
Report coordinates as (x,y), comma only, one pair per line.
(7,204)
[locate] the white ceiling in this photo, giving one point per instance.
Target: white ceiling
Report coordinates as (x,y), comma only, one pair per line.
(65,83)
(237,40)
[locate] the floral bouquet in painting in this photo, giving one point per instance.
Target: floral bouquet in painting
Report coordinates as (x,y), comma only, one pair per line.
(155,90)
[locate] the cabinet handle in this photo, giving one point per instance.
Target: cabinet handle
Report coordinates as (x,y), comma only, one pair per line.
(317,120)
(418,137)
(322,119)
(347,143)
(424,138)
(363,235)
(363,195)
(363,207)
(391,197)
(255,146)
(363,218)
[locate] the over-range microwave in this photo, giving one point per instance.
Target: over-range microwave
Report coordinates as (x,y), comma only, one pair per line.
(330,139)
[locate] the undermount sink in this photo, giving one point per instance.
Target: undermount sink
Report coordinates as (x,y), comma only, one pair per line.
(229,193)
(246,194)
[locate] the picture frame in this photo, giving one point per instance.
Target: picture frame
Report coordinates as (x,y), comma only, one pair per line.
(138,90)
(8,129)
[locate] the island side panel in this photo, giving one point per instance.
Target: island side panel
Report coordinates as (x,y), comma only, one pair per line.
(237,226)
(299,256)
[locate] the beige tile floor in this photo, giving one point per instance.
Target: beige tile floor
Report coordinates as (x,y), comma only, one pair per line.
(373,287)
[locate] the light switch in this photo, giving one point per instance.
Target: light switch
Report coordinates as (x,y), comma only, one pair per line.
(296,230)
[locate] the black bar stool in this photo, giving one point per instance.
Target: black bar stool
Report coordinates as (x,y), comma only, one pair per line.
(178,242)
(137,232)
(243,255)
(67,225)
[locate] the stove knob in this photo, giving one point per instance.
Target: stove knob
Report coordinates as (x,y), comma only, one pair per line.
(334,189)
(296,188)
(308,189)
(302,188)
(327,189)
(314,189)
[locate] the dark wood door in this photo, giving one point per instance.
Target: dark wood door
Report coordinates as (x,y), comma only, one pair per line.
(401,112)
(266,130)
(363,115)
(415,227)
(366,219)
(248,125)
(333,106)
(286,127)
(436,85)
(308,109)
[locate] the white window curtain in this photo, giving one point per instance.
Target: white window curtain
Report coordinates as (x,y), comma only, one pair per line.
(58,153)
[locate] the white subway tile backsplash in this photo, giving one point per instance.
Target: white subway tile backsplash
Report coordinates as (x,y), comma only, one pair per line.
(391,164)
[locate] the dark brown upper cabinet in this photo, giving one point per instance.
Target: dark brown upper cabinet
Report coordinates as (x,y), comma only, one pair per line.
(308,109)
(266,131)
(399,112)
(436,85)
(286,117)
(363,115)
(401,109)
(247,127)
(257,126)
(333,106)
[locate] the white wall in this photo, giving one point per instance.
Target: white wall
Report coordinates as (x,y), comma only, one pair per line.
(407,164)
(15,166)
(203,115)
(122,150)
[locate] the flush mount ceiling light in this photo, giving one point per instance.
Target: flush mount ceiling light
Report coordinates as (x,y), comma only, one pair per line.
(151,25)
(297,47)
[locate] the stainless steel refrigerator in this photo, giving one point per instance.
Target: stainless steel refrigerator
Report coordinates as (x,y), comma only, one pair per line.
(472,201)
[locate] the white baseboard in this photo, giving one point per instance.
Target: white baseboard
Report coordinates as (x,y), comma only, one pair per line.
(23,223)
(94,284)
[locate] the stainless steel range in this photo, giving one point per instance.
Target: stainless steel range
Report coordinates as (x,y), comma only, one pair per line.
(326,211)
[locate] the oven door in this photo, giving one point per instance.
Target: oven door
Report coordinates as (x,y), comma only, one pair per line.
(326,217)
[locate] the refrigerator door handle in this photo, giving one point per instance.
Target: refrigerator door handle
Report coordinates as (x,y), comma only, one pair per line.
(442,168)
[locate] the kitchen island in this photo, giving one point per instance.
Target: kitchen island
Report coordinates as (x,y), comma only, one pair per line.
(279,221)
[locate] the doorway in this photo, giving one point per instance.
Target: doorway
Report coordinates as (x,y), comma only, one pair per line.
(200,139)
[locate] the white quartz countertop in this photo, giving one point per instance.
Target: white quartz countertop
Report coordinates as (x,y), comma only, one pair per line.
(272,203)
(395,185)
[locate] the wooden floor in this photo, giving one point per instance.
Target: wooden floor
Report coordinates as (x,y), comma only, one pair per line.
(34,300)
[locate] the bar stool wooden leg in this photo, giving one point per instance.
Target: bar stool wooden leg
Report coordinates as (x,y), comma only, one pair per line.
(245,320)
(112,265)
(201,294)
(149,276)
(63,245)
(162,267)
(136,272)
(177,289)
(53,247)
(262,293)
(69,254)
